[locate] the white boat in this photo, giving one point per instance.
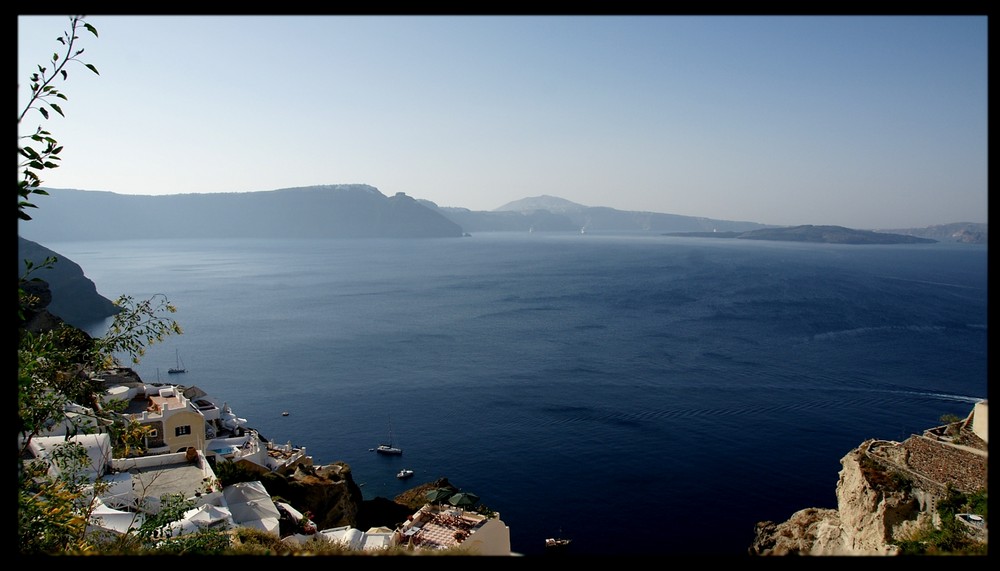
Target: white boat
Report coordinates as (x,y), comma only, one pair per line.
(404,474)
(389,448)
(180,365)
(557,542)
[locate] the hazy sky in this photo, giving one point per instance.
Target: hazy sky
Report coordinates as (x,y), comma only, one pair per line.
(866,122)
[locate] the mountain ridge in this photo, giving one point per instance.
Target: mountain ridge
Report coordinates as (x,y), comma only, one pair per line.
(360,211)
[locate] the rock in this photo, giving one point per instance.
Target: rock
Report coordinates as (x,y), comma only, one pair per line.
(70,294)
(329,492)
(886,491)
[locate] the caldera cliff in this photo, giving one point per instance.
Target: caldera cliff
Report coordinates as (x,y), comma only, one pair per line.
(888,493)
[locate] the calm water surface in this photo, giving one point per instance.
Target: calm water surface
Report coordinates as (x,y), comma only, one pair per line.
(616,390)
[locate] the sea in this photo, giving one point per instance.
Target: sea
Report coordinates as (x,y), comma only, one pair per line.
(638,394)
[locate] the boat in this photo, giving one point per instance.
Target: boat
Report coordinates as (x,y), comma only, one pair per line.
(388,448)
(557,542)
(284,413)
(404,474)
(180,366)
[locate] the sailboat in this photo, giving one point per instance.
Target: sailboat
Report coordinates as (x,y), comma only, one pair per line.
(389,448)
(180,366)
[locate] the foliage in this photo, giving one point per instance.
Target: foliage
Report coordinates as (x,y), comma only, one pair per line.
(53,509)
(949,418)
(27,301)
(978,503)
(486,511)
(230,473)
(41,151)
(55,369)
(140,323)
(951,536)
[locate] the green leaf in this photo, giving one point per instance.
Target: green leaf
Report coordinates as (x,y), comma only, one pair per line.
(55,57)
(43,112)
(61,96)
(58,110)
(28,152)
(91,29)
(92,68)
(64,74)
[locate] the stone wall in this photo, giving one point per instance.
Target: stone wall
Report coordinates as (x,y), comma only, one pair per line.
(946,464)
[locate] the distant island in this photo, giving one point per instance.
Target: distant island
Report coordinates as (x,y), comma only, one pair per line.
(362,211)
(810,233)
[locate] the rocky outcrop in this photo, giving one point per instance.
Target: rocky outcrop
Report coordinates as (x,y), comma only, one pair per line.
(328,491)
(872,506)
(64,289)
(885,492)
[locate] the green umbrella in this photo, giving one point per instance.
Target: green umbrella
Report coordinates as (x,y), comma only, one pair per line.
(439,494)
(463,499)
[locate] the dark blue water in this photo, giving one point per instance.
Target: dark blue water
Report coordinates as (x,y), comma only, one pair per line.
(638,394)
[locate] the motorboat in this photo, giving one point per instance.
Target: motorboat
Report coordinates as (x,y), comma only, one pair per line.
(404,474)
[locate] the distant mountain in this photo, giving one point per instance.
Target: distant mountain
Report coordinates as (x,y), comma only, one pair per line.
(543,202)
(74,296)
(810,233)
(966,232)
(551,213)
(330,211)
(361,211)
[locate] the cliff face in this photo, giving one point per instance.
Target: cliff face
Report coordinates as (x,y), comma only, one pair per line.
(885,492)
(66,291)
(331,211)
(868,513)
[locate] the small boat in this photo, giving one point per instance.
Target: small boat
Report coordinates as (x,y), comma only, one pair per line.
(557,542)
(404,474)
(389,448)
(285,413)
(180,366)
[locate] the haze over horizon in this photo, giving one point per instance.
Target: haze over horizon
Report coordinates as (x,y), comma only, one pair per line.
(860,121)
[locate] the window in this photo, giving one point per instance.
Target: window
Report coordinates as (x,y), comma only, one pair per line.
(182,430)
(153,433)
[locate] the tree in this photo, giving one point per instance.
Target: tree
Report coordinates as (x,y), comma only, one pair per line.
(43,99)
(57,365)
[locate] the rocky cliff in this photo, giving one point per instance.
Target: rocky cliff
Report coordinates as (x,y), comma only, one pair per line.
(66,292)
(886,492)
(329,211)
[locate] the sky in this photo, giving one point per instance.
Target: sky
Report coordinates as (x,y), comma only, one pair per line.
(858,121)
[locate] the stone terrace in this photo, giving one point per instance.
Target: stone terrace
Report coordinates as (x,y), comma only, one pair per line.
(964,468)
